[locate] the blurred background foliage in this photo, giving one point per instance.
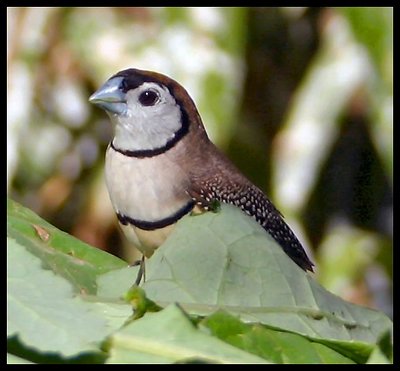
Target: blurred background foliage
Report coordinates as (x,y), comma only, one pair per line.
(299,98)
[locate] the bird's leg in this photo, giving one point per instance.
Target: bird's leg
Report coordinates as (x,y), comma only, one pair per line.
(142,271)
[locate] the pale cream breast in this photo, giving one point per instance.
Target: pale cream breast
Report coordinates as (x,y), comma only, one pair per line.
(147,189)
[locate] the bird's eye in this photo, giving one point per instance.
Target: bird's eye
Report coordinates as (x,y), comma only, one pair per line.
(148,98)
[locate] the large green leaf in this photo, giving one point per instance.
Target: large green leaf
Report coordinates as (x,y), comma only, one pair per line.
(226,260)
(65,255)
(212,261)
(42,310)
(169,336)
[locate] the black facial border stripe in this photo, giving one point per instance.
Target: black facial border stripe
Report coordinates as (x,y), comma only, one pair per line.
(145,153)
(150,226)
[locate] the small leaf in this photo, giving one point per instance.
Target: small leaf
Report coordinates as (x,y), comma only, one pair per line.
(139,302)
(277,346)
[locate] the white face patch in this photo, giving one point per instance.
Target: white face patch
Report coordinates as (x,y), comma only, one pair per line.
(147,127)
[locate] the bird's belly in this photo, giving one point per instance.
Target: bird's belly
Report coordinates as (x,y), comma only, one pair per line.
(146,241)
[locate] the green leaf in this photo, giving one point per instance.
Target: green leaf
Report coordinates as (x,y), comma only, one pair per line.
(12,359)
(211,261)
(114,284)
(44,312)
(276,346)
(65,255)
(226,260)
(383,351)
(169,336)
(377,356)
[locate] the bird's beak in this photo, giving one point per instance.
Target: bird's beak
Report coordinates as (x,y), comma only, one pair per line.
(110,97)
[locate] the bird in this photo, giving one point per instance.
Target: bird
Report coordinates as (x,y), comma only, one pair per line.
(161,165)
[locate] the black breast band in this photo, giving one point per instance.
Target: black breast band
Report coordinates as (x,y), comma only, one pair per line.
(150,226)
